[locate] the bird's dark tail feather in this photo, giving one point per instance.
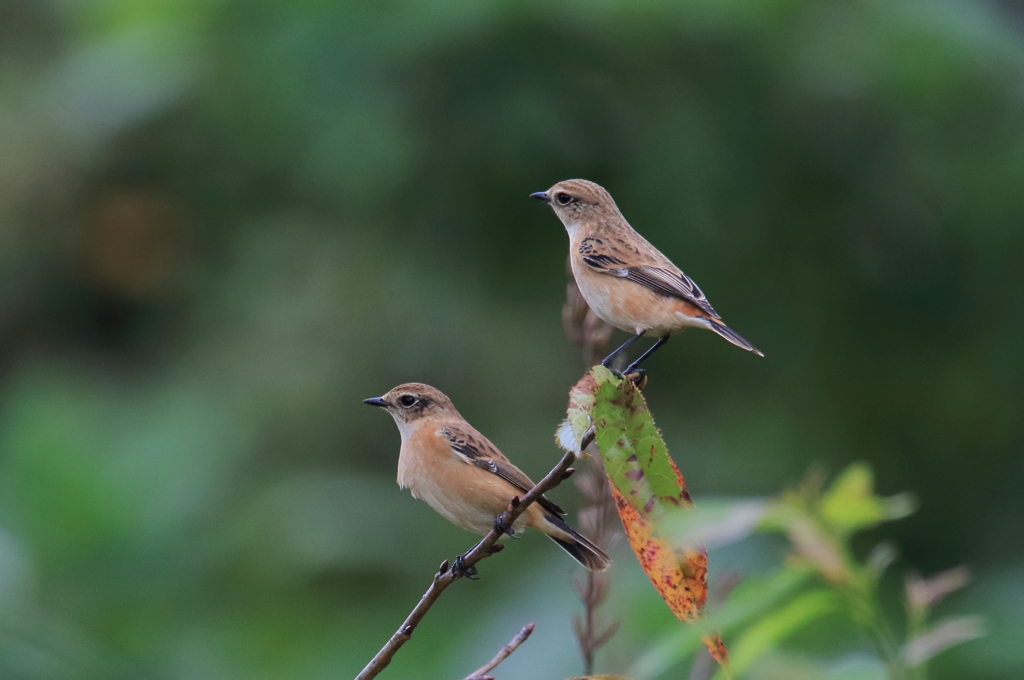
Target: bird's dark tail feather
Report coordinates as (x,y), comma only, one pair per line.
(732,336)
(581,549)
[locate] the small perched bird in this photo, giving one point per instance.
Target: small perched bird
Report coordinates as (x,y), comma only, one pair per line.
(464,477)
(624,279)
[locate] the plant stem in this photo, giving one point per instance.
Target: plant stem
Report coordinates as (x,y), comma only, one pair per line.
(503,653)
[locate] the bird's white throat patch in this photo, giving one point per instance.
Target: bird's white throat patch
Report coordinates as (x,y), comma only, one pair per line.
(404,429)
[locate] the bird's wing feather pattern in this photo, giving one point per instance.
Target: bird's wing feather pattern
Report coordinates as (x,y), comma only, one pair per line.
(671,283)
(476,450)
(663,280)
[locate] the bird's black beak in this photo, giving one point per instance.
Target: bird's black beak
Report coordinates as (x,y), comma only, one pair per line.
(376,401)
(541,196)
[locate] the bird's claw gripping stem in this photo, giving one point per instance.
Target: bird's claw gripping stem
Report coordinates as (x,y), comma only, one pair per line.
(459,567)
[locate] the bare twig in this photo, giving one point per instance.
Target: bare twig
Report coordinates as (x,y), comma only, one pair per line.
(596,523)
(481,673)
(445,576)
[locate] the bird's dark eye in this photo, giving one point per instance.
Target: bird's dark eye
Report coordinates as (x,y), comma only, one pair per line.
(407,400)
(563,198)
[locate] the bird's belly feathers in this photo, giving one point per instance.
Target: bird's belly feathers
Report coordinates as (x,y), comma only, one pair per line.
(632,307)
(465,495)
(459,511)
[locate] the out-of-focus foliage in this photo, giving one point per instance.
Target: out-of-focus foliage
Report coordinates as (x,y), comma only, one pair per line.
(820,579)
(225,222)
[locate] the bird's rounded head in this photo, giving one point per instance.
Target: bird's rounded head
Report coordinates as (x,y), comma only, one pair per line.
(411,401)
(578,200)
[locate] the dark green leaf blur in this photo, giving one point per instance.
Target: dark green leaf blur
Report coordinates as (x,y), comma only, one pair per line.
(223,223)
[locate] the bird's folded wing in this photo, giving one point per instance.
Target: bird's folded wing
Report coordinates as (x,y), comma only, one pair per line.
(476,450)
(670,282)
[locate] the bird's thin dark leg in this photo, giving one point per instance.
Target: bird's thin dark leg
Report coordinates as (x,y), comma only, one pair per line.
(661,341)
(608,359)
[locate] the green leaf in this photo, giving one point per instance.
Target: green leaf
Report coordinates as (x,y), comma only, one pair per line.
(850,503)
(780,624)
(750,599)
(634,454)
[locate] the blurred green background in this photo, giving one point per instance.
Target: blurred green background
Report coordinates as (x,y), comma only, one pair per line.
(223,223)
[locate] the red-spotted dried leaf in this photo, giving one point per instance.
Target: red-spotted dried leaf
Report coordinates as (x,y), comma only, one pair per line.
(578,417)
(717,649)
(679,576)
(646,485)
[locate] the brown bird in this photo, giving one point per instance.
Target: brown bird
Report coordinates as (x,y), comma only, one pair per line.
(624,279)
(464,477)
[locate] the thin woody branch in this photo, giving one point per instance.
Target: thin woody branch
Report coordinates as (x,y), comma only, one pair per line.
(503,653)
(445,576)
(596,520)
